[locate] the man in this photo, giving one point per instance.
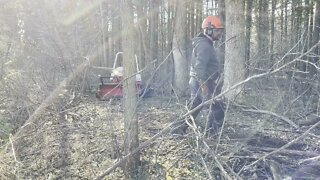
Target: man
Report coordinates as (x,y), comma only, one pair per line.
(205,74)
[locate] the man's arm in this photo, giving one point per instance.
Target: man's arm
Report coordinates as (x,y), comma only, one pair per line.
(203,56)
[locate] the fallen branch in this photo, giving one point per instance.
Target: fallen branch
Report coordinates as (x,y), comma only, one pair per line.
(101,68)
(287,120)
(13,151)
(309,122)
(274,168)
(310,159)
(218,163)
(206,167)
(284,151)
(285,146)
(142,146)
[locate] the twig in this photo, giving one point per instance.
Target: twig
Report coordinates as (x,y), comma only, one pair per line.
(101,68)
(308,62)
(154,72)
(284,151)
(13,151)
(309,122)
(285,146)
(275,170)
(293,101)
(206,167)
(287,120)
(142,146)
(223,171)
(53,98)
(185,155)
(310,159)
(200,138)
(222,127)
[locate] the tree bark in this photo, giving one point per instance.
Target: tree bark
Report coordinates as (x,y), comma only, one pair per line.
(234,67)
(142,32)
(116,29)
(272,23)
(180,49)
(192,19)
(281,20)
(316,38)
(263,33)
(248,34)
(131,137)
(199,13)
(154,25)
(221,49)
(103,61)
(285,18)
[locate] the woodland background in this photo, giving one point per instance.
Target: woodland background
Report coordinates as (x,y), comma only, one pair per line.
(52,52)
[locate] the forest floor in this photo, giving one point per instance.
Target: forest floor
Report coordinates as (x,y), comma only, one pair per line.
(85,138)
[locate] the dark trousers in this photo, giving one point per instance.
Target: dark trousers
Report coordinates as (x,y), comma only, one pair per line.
(216,111)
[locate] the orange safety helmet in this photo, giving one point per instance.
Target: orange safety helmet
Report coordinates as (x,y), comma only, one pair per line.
(212,22)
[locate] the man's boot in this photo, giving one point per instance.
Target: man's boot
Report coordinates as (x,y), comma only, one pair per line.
(212,130)
(215,118)
(179,129)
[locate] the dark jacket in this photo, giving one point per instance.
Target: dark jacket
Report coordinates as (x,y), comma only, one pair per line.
(204,63)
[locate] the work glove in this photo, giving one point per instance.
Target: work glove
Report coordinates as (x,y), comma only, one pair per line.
(204,92)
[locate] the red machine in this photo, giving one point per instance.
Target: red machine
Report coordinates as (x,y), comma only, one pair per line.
(111,86)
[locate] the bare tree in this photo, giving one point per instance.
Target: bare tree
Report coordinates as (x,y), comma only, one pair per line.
(272,23)
(103,47)
(249,4)
(180,48)
(154,25)
(234,67)
(316,38)
(130,99)
(263,32)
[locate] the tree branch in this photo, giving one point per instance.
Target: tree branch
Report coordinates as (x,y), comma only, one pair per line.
(285,146)
(287,120)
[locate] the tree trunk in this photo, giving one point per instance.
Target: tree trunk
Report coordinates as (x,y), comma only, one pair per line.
(116,29)
(169,69)
(192,19)
(285,20)
(263,34)
(234,67)
(293,22)
(306,36)
(248,34)
(171,8)
(154,25)
(221,49)
(316,39)
(180,49)
(310,31)
(199,13)
(272,23)
(103,61)
(131,141)
(142,31)
(281,20)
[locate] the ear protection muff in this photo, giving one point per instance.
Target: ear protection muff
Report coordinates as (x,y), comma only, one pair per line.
(209,30)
